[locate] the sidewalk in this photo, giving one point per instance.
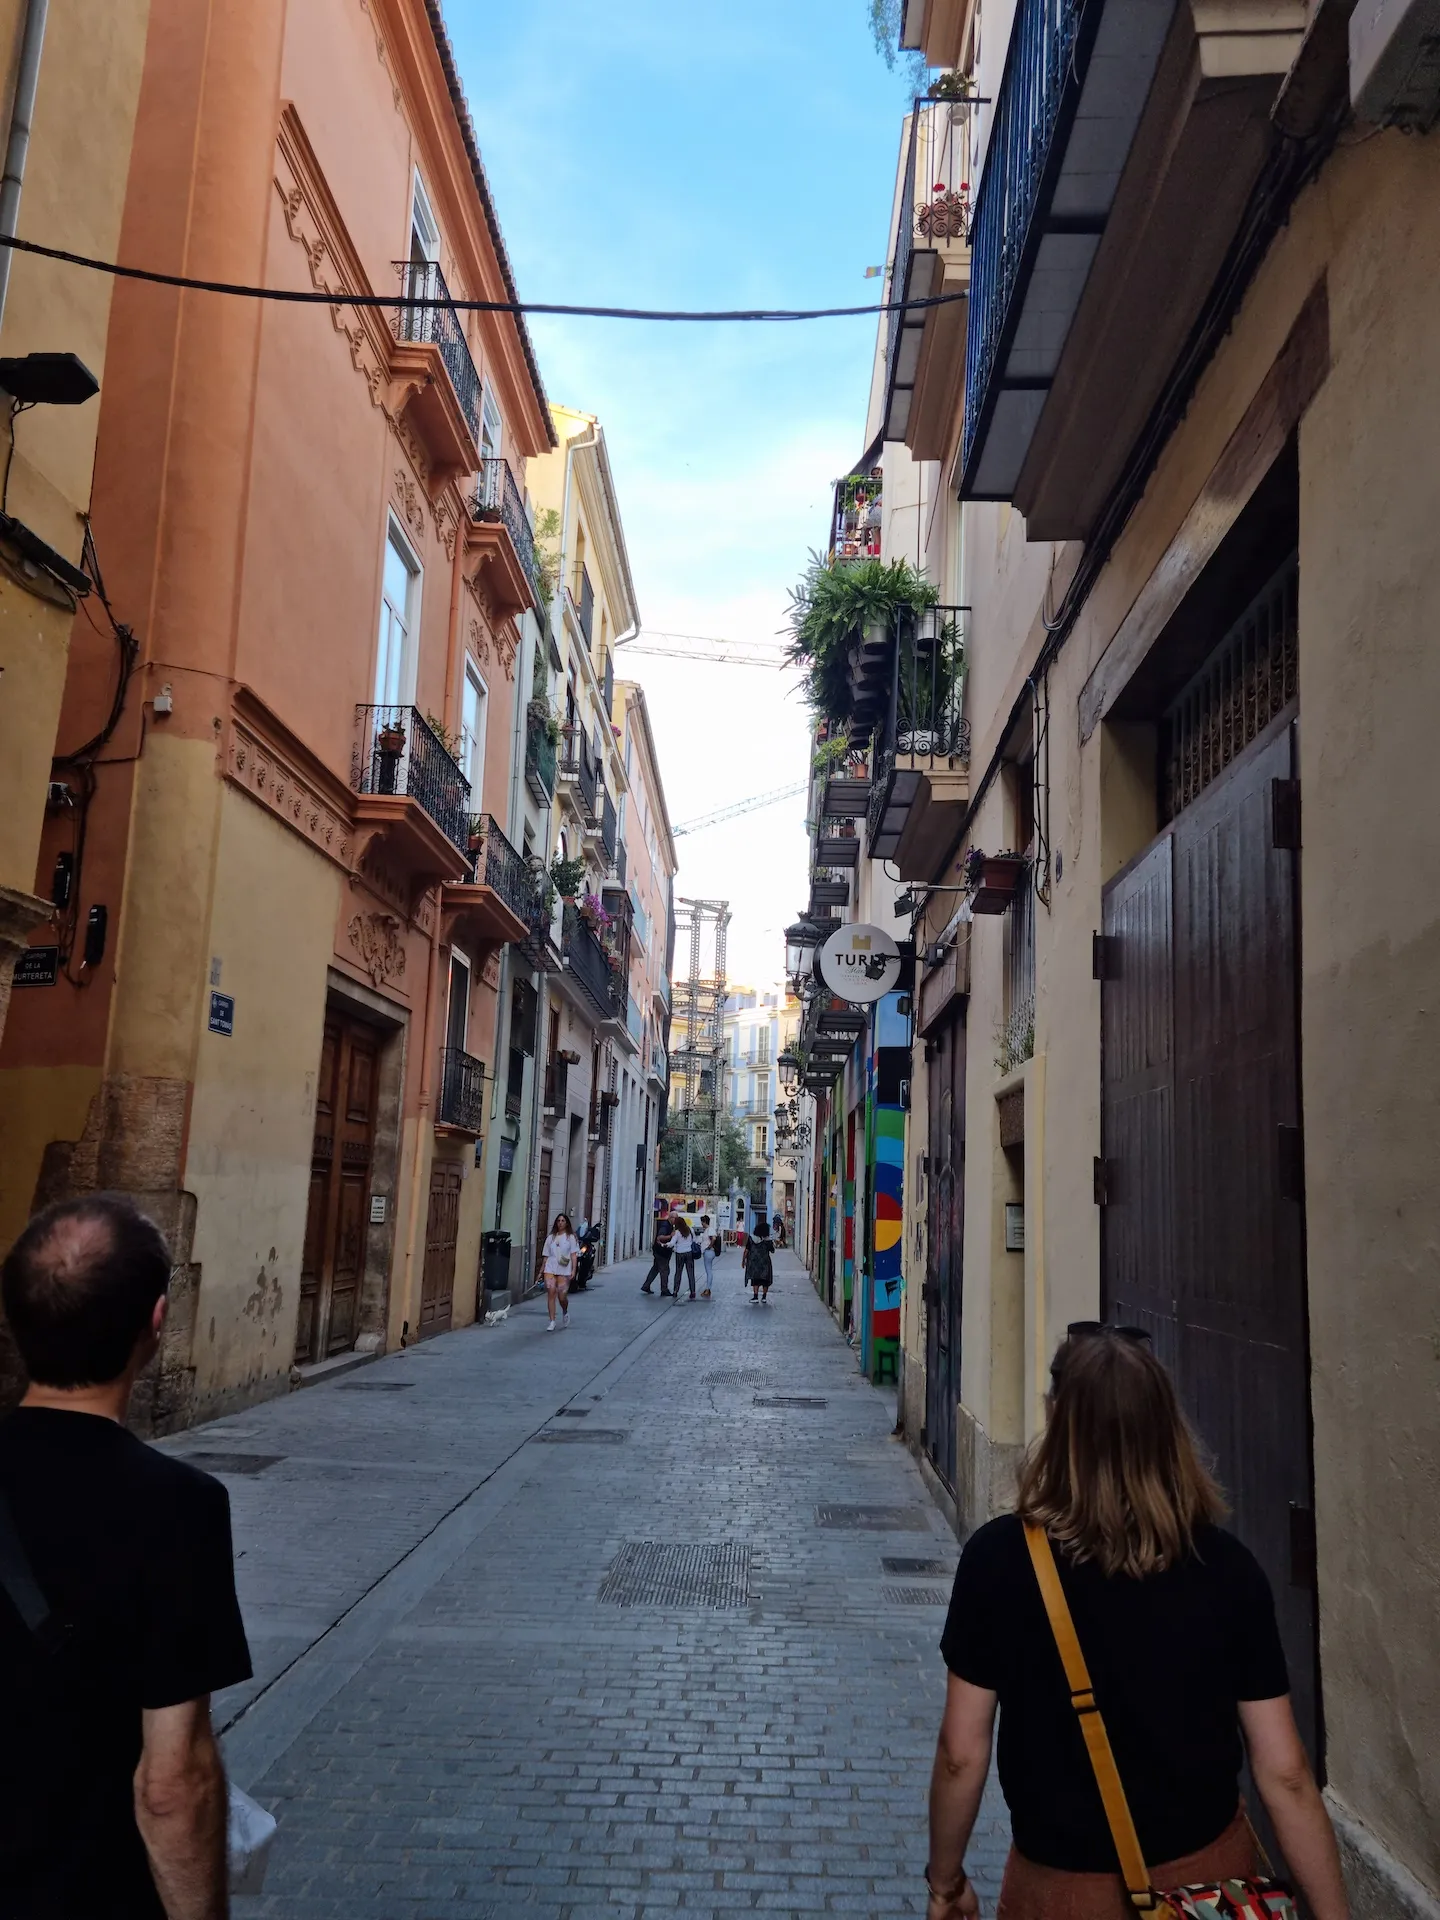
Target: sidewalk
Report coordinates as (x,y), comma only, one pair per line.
(592,1623)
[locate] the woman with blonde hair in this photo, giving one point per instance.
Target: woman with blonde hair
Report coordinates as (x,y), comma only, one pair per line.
(1130,1644)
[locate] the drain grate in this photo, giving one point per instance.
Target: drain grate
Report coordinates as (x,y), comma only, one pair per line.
(918,1569)
(734,1377)
(915,1596)
(598,1436)
(231,1462)
(788,1400)
(573,1413)
(376,1386)
(650,1573)
(874,1519)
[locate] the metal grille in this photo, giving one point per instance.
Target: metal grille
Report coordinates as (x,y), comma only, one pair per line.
(915,1596)
(594,1436)
(874,1519)
(788,1400)
(734,1377)
(918,1569)
(231,1463)
(648,1573)
(1251,677)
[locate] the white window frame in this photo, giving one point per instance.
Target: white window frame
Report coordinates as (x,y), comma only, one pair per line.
(474,744)
(458,958)
(423,224)
(396,537)
(492,425)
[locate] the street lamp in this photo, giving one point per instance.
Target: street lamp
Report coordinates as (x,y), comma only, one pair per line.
(789,1067)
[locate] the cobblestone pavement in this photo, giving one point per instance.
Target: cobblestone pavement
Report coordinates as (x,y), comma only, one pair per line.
(592,1623)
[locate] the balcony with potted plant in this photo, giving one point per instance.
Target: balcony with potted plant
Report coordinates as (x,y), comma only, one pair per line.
(499,902)
(542,740)
(410,795)
(433,376)
(500,538)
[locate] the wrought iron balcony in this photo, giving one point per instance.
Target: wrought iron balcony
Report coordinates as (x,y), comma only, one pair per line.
(461,1101)
(582,605)
(609,827)
(577,770)
(539,756)
(433,321)
(859,520)
(620,862)
(920,753)
(557,1086)
(932,258)
(498,866)
(398,752)
(497,498)
(607,683)
(588,963)
(1017,1033)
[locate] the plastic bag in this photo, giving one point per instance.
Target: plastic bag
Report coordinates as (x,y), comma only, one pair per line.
(249,1830)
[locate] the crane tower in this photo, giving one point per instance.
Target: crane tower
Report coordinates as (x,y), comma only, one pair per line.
(699,1059)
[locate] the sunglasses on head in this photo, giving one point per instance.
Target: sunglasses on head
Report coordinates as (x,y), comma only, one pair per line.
(1084,1329)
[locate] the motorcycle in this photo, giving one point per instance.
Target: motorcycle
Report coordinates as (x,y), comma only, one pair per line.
(585,1265)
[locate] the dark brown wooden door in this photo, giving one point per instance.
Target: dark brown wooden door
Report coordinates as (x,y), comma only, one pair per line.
(437,1286)
(333,1262)
(946,1233)
(542,1204)
(1203,1231)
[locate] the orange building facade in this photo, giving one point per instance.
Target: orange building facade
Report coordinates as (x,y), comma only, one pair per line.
(298,854)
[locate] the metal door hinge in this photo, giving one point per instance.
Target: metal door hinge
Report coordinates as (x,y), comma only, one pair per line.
(1302,1547)
(1104,957)
(1285,815)
(1102,1181)
(1290,1163)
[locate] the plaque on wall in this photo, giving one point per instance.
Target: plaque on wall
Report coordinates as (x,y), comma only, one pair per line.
(37,967)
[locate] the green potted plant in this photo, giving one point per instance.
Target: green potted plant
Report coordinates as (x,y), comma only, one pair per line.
(992,879)
(568,875)
(841,621)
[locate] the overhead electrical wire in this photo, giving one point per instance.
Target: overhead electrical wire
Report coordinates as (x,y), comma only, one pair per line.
(296,296)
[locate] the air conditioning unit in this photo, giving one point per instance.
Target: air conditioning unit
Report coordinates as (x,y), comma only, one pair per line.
(1395,63)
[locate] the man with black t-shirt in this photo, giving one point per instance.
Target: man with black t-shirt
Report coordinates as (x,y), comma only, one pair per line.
(118,1615)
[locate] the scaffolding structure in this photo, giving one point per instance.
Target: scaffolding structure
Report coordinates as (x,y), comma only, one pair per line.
(698,1062)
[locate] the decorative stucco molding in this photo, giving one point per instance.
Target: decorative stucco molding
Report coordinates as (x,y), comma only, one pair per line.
(269,774)
(382,53)
(378,940)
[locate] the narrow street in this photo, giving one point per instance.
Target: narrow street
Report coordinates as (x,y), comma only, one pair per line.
(475,1697)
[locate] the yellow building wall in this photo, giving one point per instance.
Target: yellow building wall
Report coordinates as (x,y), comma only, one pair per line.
(252,1114)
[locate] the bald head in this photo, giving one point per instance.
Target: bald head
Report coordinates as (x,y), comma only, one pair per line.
(80,1287)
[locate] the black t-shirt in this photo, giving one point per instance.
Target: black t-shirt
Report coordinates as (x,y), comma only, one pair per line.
(1169,1656)
(132,1551)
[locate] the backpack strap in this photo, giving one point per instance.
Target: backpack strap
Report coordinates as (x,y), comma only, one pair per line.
(1092,1725)
(18,1582)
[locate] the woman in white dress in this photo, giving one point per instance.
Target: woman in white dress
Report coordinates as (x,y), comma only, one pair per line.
(560,1252)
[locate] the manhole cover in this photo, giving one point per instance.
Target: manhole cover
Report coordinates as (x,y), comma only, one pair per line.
(649,1573)
(734,1377)
(231,1462)
(376,1386)
(915,1596)
(874,1519)
(788,1400)
(596,1436)
(918,1569)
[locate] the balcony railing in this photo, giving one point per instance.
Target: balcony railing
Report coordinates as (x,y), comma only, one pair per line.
(934,220)
(462,1091)
(607,684)
(397,751)
(539,756)
(609,826)
(587,960)
(585,606)
(620,862)
(557,1086)
(1039,69)
(921,725)
(437,324)
(497,497)
(499,867)
(858,524)
(575,764)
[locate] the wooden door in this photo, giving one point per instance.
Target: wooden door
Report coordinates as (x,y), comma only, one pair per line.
(442,1222)
(333,1260)
(1203,1231)
(946,1232)
(542,1203)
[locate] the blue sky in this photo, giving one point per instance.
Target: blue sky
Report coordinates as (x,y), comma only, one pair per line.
(685,153)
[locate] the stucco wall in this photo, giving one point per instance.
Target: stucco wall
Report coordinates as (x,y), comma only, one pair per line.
(252,1112)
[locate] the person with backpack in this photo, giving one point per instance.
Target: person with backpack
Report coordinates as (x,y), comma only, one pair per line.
(759,1267)
(1131,1646)
(118,1614)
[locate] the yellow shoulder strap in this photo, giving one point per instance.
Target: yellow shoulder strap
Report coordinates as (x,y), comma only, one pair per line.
(1092,1725)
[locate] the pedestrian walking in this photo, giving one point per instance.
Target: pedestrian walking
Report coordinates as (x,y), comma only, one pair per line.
(118,1615)
(759,1267)
(685,1247)
(558,1258)
(778,1223)
(660,1255)
(712,1245)
(1130,1643)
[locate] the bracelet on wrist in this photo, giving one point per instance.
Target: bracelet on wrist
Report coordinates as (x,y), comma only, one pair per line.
(947,1893)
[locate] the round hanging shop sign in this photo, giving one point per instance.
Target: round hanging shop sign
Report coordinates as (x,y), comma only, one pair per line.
(861,964)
